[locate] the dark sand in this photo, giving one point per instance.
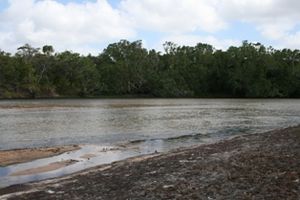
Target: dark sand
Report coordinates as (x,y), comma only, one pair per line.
(256,166)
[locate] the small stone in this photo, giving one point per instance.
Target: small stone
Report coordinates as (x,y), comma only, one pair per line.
(168,186)
(50,191)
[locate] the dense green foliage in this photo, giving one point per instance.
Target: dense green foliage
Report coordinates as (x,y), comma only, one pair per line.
(126,68)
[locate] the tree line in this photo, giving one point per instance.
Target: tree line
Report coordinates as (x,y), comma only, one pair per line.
(128,69)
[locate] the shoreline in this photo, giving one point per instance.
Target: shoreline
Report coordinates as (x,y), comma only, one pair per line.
(140,97)
(254,166)
(17,156)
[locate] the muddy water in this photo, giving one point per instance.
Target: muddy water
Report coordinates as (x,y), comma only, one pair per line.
(57,122)
(131,127)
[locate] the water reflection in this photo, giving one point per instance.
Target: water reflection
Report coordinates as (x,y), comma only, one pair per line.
(143,125)
(91,155)
(57,122)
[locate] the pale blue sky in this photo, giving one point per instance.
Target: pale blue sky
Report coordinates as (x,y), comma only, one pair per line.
(87,26)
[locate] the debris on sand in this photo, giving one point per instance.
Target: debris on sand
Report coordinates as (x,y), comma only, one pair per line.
(255,166)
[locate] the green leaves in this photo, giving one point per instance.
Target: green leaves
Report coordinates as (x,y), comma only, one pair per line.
(126,68)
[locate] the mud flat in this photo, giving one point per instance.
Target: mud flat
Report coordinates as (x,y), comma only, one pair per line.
(47,168)
(9,157)
(255,166)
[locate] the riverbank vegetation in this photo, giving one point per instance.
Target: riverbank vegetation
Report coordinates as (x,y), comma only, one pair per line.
(126,68)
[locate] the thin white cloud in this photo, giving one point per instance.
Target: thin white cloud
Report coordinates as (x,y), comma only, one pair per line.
(174,16)
(88,25)
(67,26)
(275,19)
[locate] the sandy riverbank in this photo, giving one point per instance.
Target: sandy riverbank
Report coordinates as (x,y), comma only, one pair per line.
(9,157)
(256,166)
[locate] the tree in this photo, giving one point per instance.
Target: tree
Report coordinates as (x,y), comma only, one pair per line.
(48,50)
(126,60)
(127,68)
(27,51)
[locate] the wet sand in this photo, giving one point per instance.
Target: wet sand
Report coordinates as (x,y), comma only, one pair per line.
(88,156)
(255,166)
(46,168)
(9,157)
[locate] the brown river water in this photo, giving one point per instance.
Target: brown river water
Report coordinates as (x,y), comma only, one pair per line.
(130,127)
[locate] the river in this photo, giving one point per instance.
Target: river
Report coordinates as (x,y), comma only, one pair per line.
(148,124)
(37,123)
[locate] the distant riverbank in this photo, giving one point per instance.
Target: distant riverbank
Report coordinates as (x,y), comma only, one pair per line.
(254,166)
(137,97)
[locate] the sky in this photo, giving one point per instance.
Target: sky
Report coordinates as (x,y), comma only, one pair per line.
(88,26)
